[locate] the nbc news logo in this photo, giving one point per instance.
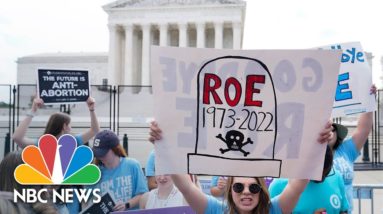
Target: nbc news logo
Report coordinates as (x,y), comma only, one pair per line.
(57,163)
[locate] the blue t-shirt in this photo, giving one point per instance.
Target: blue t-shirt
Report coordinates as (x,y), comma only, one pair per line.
(149,169)
(329,194)
(344,158)
(214,181)
(216,206)
(123,182)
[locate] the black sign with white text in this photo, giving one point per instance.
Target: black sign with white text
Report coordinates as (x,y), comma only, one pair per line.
(105,206)
(63,86)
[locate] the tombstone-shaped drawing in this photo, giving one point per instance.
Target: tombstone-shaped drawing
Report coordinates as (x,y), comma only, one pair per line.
(237,115)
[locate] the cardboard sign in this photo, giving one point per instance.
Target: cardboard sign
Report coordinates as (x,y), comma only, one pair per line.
(354,81)
(63,86)
(167,210)
(105,206)
(242,113)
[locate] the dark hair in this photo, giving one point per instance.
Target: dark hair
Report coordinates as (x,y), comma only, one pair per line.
(327,166)
(263,205)
(56,123)
(339,140)
(7,166)
(8,183)
(117,150)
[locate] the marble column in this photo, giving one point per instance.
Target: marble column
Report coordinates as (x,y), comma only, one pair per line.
(182,40)
(200,34)
(163,34)
(218,32)
(128,54)
(237,35)
(113,71)
(145,75)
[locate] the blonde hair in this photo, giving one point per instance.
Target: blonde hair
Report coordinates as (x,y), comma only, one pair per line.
(263,205)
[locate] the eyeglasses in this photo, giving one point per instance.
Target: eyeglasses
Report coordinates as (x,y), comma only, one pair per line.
(253,188)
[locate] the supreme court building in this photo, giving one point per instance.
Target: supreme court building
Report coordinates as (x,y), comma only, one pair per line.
(135,25)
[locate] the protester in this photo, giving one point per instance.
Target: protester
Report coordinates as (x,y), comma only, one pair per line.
(8,185)
(327,194)
(244,195)
(165,195)
(57,125)
(218,186)
(346,151)
(121,177)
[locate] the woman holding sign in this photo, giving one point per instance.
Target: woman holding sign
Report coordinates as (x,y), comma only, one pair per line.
(346,151)
(244,194)
(58,125)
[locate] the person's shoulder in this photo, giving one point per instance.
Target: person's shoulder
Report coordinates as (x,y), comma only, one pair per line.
(214,205)
(348,143)
(277,186)
(274,205)
(131,161)
(279,182)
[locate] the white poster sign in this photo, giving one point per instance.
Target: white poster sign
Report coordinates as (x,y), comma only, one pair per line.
(354,81)
(242,112)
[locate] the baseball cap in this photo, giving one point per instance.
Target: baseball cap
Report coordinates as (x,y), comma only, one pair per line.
(341,130)
(103,141)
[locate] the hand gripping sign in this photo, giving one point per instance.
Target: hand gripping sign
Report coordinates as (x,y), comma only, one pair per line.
(236,114)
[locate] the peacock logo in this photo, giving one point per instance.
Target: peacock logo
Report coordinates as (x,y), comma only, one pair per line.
(57,163)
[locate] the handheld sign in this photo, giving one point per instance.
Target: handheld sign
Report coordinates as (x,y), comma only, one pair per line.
(105,206)
(352,94)
(63,86)
(242,113)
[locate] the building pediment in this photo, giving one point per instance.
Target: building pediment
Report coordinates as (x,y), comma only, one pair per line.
(166,3)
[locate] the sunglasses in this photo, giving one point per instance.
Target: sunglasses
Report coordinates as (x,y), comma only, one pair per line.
(253,188)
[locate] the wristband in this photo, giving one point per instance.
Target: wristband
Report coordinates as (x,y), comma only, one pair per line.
(127,205)
(91,109)
(31,114)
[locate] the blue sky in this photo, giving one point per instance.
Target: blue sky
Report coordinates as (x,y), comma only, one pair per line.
(41,26)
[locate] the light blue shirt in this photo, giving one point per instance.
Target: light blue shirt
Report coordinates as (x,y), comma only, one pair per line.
(216,206)
(328,194)
(123,182)
(149,169)
(344,158)
(214,181)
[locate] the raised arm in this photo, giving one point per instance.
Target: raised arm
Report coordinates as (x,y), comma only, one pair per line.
(194,196)
(290,195)
(220,188)
(363,128)
(94,126)
(19,134)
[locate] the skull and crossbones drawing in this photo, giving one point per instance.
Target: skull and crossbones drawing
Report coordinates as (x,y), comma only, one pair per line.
(234,141)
